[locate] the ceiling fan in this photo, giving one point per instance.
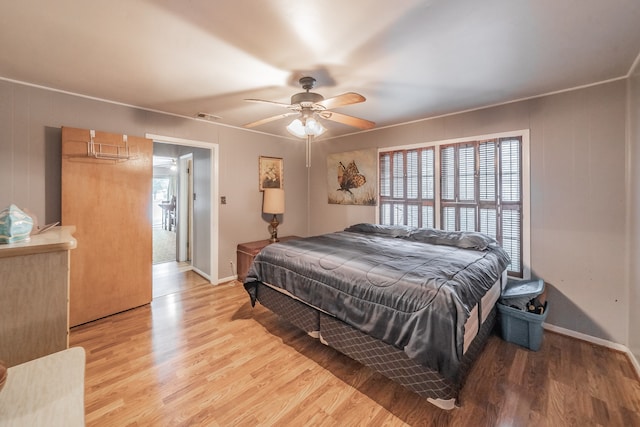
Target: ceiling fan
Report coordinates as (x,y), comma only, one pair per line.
(309,106)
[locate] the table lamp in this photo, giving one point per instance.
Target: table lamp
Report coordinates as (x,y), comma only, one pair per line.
(273,203)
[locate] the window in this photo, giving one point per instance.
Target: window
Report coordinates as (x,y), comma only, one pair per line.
(468,185)
(407,187)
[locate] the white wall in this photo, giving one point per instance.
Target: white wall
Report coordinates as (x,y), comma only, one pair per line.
(30,122)
(578,200)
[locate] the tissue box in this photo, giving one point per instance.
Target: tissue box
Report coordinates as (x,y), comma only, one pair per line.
(15,225)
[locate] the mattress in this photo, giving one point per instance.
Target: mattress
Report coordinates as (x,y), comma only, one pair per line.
(422,291)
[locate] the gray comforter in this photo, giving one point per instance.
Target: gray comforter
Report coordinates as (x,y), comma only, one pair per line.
(411,288)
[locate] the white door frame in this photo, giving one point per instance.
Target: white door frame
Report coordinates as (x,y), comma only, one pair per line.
(185,209)
(214,148)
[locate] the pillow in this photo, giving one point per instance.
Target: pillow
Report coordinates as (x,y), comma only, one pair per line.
(388,230)
(460,239)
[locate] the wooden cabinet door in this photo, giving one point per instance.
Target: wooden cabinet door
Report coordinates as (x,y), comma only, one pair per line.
(109,202)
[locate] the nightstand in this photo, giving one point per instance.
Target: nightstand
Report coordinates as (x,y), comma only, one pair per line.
(246,252)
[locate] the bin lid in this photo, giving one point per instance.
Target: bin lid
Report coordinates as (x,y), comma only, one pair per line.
(522,288)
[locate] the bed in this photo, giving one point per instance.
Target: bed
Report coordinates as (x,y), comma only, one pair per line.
(416,305)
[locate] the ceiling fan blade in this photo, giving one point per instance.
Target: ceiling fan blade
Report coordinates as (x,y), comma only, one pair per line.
(342,100)
(347,120)
(269,119)
(263,101)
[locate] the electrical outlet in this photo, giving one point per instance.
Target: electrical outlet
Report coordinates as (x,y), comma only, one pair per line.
(223,200)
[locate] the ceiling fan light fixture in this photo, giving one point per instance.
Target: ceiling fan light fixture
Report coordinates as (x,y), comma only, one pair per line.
(310,127)
(309,105)
(296,128)
(313,127)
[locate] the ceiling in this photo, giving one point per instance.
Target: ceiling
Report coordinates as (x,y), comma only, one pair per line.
(411,59)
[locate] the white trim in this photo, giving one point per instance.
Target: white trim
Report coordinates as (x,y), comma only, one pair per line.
(436,193)
(180,141)
(634,361)
(213,214)
(328,138)
(226,279)
(185,204)
(597,341)
(484,107)
(526,206)
(518,132)
(202,273)
(123,104)
(636,63)
(526,182)
(584,337)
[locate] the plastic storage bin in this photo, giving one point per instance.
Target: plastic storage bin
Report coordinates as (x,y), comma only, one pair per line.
(518,325)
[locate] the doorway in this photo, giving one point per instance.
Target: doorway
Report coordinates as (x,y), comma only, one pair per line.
(168,195)
(192,223)
(164,199)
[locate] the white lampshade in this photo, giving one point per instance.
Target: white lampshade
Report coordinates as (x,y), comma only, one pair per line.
(273,202)
(313,127)
(310,127)
(296,128)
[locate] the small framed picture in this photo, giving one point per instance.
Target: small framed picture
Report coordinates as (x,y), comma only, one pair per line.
(270,172)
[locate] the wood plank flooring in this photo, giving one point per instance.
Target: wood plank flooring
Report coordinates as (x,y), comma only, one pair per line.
(203,356)
(168,278)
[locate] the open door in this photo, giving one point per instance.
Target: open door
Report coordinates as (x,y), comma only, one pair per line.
(108,198)
(185,208)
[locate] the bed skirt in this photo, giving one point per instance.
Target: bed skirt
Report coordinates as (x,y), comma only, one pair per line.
(383,358)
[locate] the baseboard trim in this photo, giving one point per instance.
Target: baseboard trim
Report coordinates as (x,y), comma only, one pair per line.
(634,362)
(201,273)
(226,279)
(598,341)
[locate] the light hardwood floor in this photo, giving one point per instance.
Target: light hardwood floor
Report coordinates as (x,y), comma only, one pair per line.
(169,277)
(203,356)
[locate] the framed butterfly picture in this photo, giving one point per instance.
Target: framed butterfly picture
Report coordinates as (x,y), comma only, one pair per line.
(351,178)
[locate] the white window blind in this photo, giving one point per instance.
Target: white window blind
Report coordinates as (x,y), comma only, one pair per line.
(398,175)
(407,187)
(466,173)
(412,174)
(487,170)
(480,189)
(427,174)
(385,175)
(447,173)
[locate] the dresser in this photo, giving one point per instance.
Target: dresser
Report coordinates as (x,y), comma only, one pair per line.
(246,252)
(34,295)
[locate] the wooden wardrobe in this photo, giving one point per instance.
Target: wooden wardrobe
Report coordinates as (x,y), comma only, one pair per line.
(106,194)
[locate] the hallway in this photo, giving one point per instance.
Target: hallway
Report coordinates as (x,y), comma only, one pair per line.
(172,277)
